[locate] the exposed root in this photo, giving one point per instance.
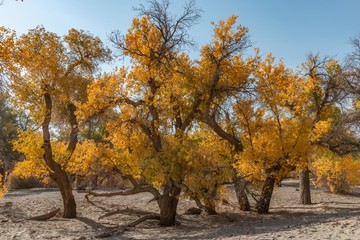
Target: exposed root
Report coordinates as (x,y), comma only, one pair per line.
(127,227)
(46,216)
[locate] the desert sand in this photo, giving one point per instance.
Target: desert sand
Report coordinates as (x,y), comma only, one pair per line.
(331,216)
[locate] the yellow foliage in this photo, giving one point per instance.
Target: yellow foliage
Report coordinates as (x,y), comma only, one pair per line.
(276,129)
(89,158)
(320,129)
(208,162)
(281,126)
(103,93)
(30,144)
(29,168)
(338,173)
(6,48)
(357,104)
(60,66)
(265,148)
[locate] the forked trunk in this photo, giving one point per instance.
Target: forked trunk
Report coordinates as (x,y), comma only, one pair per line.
(168,205)
(240,190)
(58,174)
(265,197)
(305,193)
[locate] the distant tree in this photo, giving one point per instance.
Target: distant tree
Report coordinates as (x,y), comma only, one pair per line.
(353,84)
(8,132)
(7,115)
(339,174)
(325,76)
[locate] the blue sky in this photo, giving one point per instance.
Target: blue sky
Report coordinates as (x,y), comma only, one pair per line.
(290,29)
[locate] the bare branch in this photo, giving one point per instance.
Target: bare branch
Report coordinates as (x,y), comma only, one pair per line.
(122,193)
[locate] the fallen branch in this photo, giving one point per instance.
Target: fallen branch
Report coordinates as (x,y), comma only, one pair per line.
(126,227)
(46,216)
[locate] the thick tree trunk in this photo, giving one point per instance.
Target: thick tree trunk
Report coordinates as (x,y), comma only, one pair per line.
(57,174)
(67,195)
(168,205)
(305,194)
(265,197)
(240,187)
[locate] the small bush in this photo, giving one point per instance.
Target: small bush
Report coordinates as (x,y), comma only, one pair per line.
(338,173)
(16,182)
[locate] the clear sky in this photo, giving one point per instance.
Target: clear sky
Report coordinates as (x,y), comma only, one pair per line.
(290,29)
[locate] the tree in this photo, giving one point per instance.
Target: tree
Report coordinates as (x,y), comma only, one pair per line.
(337,173)
(325,87)
(275,128)
(224,77)
(353,67)
(336,165)
(7,116)
(8,132)
(149,105)
(6,44)
(49,75)
(352,75)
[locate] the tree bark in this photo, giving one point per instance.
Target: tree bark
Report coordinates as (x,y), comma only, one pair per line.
(265,197)
(240,187)
(2,173)
(67,196)
(57,173)
(168,205)
(305,193)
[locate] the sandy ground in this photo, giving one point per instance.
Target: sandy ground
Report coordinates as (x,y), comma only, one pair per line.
(330,217)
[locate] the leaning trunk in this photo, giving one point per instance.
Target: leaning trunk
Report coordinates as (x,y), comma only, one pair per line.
(168,205)
(265,197)
(240,190)
(305,194)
